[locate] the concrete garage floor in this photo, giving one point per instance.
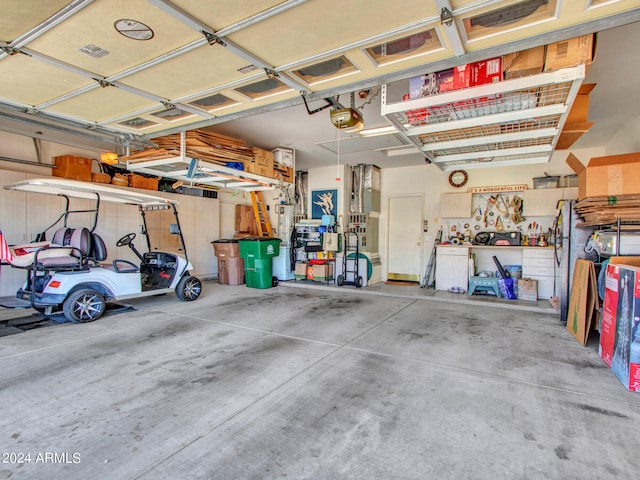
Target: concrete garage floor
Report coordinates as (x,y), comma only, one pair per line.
(301,382)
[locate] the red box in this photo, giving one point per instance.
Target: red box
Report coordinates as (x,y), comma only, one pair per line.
(462,76)
(486,71)
(620,326)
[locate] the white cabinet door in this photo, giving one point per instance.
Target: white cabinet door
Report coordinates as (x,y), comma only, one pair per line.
(452,268)
(455,205)
(541,202)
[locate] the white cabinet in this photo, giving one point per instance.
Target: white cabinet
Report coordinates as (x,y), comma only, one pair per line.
(455,205)
(452,267)
(541,202)
(539,264)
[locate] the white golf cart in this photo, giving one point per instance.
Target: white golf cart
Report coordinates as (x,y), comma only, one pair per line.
(66,274)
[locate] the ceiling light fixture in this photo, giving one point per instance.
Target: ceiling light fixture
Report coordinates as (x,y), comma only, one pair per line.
(374,132)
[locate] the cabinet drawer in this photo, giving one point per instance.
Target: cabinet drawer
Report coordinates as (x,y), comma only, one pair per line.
(534,252)
(464,251)
(538,262)
(528,272)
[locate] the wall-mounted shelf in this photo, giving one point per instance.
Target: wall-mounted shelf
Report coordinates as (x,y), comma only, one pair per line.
(513,122)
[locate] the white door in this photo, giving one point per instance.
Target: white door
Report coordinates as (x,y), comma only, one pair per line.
(405,238)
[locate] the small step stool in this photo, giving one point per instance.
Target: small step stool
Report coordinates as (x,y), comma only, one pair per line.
(484,283)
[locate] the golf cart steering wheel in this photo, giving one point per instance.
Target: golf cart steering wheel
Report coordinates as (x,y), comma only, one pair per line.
(126,240)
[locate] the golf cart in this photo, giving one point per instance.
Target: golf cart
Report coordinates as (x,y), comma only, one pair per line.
(66,274)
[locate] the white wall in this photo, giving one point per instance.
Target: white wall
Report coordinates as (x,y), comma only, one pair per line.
(433,182)
(627,140)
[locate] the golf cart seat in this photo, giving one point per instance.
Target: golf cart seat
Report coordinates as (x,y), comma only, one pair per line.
(62,236)
(98,251)
(78,249)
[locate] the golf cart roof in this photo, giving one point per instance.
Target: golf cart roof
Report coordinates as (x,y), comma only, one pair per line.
(75,189)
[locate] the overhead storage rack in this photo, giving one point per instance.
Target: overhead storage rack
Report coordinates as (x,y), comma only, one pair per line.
(513,122)
(202,172)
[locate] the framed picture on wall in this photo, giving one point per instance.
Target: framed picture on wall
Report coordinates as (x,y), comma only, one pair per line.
(324,202)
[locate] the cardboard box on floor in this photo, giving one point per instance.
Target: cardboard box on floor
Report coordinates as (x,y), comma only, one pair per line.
(620,330)
(607,176)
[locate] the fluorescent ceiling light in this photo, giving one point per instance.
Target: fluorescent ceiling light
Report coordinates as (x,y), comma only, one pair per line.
(374,132)
(398,151)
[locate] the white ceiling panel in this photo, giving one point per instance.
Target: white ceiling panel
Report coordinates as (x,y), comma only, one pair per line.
(18,16)
(101,104)
(94,25)
(25,80)
(223,13)
(195,71)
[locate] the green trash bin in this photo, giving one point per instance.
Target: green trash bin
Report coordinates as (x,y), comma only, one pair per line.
(258,253)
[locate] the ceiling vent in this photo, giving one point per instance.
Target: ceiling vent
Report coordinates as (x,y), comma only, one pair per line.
(406,47)
(263,88)
(326,70)
(508,15)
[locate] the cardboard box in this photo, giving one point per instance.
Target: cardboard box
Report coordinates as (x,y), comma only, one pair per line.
(527,289)
(620,331)
(570,134)
(245,220)
(76,168)
(262,163)
(323,272)
(607,176)
(569,53)
(300,269)
(579,112)
(523,63)
(583,301)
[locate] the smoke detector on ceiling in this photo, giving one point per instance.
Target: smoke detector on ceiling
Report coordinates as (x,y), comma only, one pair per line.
(347,119)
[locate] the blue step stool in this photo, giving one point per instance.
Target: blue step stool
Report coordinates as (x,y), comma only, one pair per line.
(484,283)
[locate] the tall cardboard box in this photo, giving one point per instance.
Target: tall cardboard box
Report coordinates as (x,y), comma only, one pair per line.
(620,329)
(607,176)
(245,219)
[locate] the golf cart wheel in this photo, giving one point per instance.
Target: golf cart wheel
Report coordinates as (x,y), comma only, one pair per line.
(83,305)
(340,280)
(188,288)
(274,281)
(358,282)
